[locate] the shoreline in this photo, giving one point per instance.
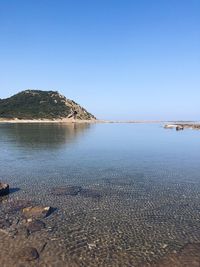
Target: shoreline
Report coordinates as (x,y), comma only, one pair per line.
(46,121)
(172,124)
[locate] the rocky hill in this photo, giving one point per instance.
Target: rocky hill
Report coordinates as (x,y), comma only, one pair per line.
(36,104)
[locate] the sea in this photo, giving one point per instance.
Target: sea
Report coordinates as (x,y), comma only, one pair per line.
(121,194)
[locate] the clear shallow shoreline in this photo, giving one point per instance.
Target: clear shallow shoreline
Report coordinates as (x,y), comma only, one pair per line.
(143,202)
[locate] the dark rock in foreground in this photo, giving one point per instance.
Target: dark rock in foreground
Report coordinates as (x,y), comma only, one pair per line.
(4,189)
(27,254)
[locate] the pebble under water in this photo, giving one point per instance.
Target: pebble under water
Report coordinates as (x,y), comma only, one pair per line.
(120,195)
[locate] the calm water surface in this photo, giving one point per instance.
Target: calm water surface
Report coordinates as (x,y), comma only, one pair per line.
(143,200)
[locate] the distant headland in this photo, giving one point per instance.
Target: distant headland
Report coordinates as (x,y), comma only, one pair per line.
(34,105)
(37,106)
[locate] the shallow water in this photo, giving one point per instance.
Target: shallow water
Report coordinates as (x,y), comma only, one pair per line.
(143,202)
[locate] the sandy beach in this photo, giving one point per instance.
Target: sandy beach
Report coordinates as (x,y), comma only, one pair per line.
(66,120)
(47,121)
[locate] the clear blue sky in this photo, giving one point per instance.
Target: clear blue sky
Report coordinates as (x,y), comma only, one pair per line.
(121,59)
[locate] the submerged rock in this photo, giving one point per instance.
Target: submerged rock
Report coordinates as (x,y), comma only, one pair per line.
(4,223)
(27,254)
(69,190)
(4,189)
(18,204)
(90,193)
(35,225)
(188,256)
(37,212)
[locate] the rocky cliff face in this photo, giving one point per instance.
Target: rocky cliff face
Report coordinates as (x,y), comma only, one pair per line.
(36,104)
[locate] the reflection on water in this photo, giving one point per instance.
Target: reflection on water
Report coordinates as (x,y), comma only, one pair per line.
(125,195)
(43,135)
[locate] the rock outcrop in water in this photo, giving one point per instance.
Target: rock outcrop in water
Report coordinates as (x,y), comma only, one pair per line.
(179,126)
(36,104)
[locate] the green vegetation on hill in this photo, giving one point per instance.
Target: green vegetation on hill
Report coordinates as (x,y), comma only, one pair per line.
(37,104)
